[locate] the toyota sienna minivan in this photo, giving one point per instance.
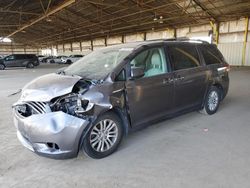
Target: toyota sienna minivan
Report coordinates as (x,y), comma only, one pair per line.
(94,102)
(19,60)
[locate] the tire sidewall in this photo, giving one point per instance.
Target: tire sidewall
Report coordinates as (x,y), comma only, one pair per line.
(87,148)
(30,65)
(206,106)
(68,61)
(2,66)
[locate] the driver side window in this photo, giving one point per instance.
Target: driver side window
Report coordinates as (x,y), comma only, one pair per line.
(152,61)
(9,58)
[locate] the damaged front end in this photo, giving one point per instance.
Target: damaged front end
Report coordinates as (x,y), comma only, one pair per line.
(53,114)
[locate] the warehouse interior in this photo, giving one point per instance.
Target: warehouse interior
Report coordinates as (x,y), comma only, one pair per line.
(68,27)
(192,150)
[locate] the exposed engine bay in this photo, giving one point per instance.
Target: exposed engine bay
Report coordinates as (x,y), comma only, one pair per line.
(71,103)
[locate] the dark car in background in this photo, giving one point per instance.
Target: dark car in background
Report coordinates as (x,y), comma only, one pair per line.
(19,60)
(94,102)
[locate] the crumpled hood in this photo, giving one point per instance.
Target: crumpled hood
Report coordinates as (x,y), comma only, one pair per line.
(47,87)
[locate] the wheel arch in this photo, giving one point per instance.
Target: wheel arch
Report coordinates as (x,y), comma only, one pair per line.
(117,111)
(219,86)
(123,117)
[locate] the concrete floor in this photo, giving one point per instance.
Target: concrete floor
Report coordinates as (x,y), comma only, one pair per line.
(175,153)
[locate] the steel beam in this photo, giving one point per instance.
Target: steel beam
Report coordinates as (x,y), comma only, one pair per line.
(54,10)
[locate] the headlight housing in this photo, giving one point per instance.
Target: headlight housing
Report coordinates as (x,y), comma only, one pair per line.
(72,104)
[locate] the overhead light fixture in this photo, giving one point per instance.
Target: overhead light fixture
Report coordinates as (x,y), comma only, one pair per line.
(155,18)
(48,19)
(161,20)
(5,39)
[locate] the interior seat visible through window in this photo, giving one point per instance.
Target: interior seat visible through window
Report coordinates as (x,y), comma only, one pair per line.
(153,62)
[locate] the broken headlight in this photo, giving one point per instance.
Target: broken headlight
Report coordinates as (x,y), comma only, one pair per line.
(71,104)
(66,104)
(83,106)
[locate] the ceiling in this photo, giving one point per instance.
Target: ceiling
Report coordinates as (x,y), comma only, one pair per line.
(43,22)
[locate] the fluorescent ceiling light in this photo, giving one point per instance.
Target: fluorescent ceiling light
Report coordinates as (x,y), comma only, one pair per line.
(5,39)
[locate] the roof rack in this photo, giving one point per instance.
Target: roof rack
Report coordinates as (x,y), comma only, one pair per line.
(184,39)
(180,39)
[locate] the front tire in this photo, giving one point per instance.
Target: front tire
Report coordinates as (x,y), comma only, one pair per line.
(104,137)
(212,101)
(30,65)
(2,66)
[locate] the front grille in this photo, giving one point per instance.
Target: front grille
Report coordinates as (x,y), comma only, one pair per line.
(27,109)
(38,107)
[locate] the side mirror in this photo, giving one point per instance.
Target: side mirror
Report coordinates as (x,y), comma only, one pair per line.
(137,72)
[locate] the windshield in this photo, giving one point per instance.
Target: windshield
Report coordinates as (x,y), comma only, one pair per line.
(99,63)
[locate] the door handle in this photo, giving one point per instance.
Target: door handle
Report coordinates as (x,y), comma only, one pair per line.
(179,78)
(168,80)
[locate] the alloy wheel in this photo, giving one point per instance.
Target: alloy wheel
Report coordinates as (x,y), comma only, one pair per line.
(103,135)
(213,100)
(1,67)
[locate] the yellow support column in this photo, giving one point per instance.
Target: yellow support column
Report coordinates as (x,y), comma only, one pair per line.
(217,33)
(215,27)
(245,43)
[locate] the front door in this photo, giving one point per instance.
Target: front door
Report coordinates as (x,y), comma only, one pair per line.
(10,61)
(151,96)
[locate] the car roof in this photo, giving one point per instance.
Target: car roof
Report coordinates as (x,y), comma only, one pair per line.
(155,42)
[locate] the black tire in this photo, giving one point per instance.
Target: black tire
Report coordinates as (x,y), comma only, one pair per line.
(2,66)
(89,149)
(68,61)
(212,101)
(30,65)
(52,61)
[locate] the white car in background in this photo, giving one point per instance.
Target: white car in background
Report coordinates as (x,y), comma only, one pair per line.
(71,59)
(40,57)
(57,59)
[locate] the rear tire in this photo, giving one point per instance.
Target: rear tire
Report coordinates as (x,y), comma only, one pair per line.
(104,137)
(52,61)
(30,65)
(212,101)
(2,66)
(68,61)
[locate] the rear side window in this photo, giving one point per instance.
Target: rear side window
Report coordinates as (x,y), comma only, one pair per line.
(211,55)
(19,57)
(183,57)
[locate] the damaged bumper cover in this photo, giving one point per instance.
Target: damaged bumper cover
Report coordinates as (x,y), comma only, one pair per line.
(55,134)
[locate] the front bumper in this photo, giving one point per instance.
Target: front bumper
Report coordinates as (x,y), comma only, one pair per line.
(55,134)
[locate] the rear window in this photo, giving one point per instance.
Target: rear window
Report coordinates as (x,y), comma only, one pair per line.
(183,57)
(211,55)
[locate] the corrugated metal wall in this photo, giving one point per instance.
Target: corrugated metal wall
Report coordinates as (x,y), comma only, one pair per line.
(248,54)
(232,52)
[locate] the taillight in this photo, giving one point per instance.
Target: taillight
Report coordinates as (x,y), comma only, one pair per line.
(223,69)
(228,68)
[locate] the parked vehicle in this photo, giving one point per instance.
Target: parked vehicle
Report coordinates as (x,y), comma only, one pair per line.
(19,60)
(40,57)
(57,59)
(94,102)
(47,59)
(71,59)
